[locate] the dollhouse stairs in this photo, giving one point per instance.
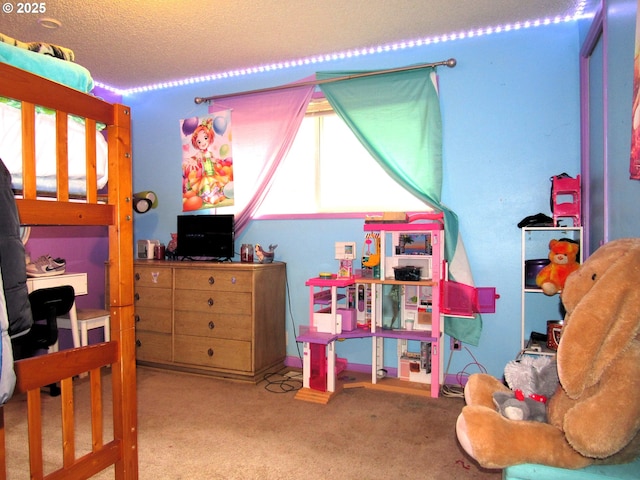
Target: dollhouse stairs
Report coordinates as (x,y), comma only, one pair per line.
(314,396)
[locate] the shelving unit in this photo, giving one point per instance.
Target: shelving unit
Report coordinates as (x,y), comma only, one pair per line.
(536,307)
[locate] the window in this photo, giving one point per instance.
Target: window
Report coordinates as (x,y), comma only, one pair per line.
(328,170)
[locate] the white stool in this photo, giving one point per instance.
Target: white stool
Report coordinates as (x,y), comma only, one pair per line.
(87,319)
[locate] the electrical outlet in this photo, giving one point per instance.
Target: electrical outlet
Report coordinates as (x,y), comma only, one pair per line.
(456,344)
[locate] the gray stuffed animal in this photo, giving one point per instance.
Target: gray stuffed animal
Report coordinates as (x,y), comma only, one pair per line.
(533,380)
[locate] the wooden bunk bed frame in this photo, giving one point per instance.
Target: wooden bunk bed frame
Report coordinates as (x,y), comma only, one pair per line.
(116,212)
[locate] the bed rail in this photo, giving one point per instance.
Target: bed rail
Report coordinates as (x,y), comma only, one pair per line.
(17,84)
(37,372)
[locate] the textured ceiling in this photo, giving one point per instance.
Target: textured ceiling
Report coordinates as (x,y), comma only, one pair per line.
(130,43)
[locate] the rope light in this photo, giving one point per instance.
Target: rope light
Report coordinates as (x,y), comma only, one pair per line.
(351,53)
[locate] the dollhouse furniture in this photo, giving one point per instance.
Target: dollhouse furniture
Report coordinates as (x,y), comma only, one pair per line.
(565,199)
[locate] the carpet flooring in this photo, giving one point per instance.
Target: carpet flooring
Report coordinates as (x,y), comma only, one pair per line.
(193,427)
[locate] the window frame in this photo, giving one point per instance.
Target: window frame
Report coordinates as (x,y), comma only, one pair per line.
(320,106)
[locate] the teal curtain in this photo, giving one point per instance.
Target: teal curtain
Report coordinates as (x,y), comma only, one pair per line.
(396,116)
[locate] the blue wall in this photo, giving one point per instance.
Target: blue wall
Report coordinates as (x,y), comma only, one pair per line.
(511,121)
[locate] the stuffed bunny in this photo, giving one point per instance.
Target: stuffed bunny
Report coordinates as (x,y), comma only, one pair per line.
(594,416)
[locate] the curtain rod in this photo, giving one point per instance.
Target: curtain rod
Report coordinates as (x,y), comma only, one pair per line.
(449,63)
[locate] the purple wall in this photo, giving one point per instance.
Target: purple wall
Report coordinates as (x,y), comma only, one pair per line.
(106,95)
(85,249)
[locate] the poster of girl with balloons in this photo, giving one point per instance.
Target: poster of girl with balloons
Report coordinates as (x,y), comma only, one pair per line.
(207,161)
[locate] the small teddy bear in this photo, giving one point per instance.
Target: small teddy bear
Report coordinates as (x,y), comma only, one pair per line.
(563,254)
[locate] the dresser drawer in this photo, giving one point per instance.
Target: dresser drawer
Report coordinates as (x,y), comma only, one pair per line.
(238,303)
(153,347)
(150,319)
(233,327)
(214,280)
(152,277)
(211,352)
(152,297)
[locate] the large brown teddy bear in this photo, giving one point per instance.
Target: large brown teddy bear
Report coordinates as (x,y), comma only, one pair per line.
(594,416)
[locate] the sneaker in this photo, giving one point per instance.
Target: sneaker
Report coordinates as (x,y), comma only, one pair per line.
(46,266)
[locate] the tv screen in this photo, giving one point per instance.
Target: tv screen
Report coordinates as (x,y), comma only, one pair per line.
(209,236)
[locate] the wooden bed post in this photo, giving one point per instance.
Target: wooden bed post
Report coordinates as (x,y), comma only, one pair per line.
(121,291)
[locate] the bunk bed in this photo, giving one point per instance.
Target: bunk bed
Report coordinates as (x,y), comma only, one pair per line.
(60,206)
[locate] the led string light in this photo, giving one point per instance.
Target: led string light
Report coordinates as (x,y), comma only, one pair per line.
(352,53)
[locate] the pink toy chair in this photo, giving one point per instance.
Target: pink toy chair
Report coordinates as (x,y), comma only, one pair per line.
(565,199)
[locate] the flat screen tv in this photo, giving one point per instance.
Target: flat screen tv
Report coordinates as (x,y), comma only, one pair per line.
(206,237)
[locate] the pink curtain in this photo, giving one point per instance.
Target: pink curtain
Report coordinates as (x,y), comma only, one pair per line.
(264,126)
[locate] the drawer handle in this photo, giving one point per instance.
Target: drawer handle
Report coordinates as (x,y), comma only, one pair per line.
(137,276)
(137,317)
(138,343)
(212,325)
(233,280)
(137,296)
(210,352)
(212,280)
(210,302)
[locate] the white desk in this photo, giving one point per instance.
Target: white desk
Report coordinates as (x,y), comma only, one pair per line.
(79,283)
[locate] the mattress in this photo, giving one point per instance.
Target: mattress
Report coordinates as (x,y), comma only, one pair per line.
(11,149)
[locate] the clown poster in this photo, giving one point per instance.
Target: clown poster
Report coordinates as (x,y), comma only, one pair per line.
(207,161)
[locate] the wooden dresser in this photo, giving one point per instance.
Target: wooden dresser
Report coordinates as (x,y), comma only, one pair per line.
(221,319)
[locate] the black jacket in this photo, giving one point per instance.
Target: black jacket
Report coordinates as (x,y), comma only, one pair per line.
(12,260)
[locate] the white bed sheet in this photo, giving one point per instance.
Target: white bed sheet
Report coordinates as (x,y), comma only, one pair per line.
(11,151)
